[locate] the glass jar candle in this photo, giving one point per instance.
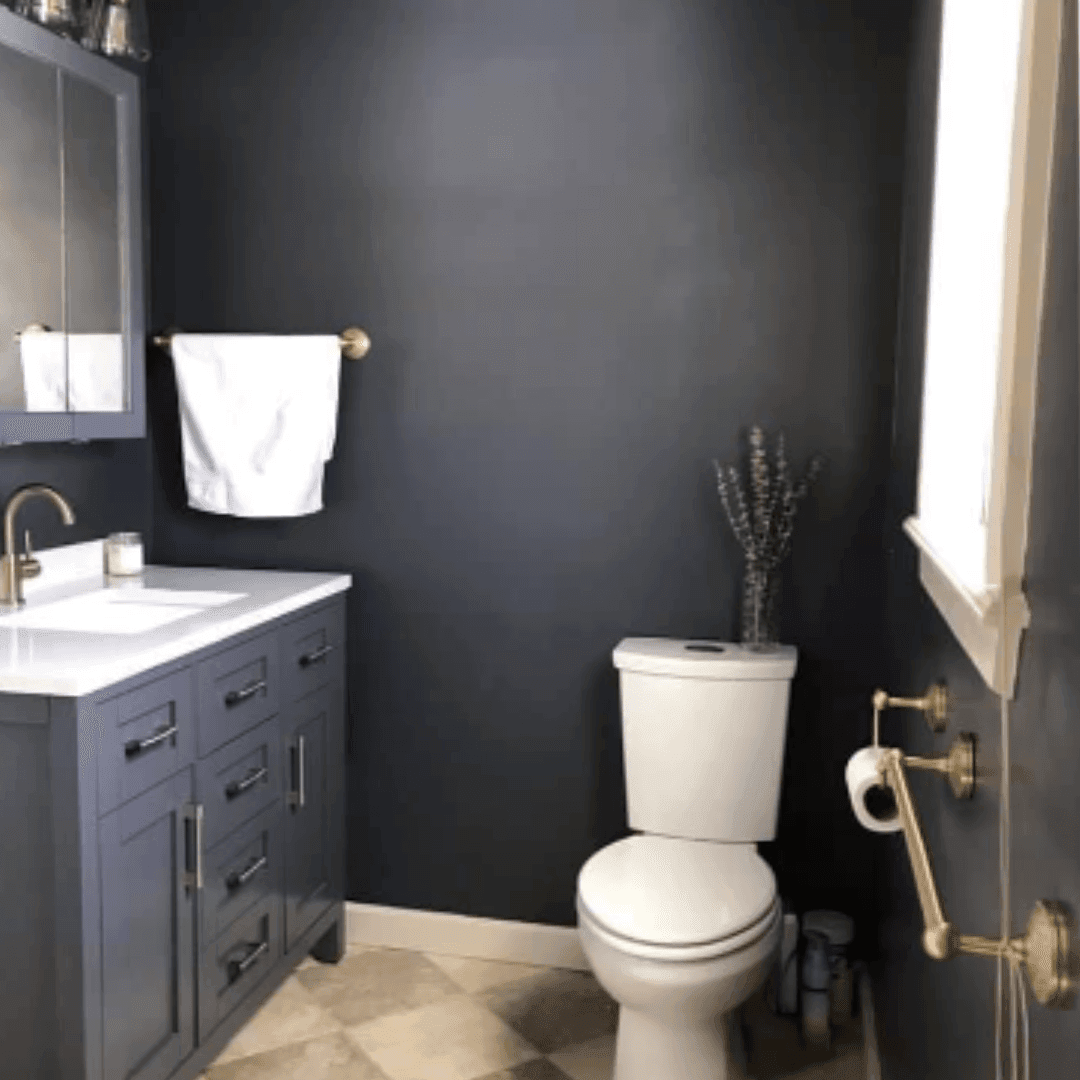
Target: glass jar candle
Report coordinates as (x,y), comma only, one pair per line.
(123,554)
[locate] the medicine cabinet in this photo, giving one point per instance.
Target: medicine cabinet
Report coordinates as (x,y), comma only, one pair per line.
(72,321)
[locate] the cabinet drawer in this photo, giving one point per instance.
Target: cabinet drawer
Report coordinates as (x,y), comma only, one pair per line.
(233,965)
(240,871)
(149,735)
(237,781)
(312,651)
(238,688)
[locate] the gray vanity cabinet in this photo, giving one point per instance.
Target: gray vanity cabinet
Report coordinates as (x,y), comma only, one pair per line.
(173,846)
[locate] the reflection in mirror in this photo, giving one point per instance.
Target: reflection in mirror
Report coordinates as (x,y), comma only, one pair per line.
(95,352)
(31,267)
(72,318)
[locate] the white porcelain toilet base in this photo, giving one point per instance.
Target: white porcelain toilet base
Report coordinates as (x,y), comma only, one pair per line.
(647,1047)
(676,1016)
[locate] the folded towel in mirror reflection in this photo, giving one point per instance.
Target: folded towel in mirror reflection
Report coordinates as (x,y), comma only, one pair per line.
(258,419)
(72,372)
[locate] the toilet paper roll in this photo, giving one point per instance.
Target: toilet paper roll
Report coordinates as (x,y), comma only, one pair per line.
(862,774)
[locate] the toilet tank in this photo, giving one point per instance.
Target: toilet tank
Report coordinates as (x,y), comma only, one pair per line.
(703,726)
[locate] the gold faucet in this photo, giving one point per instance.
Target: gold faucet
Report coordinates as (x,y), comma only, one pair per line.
(14,567)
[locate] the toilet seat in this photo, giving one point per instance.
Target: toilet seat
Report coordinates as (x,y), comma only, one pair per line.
(681,954)
(677,899)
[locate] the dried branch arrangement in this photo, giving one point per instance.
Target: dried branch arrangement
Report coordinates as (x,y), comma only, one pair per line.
(763,527)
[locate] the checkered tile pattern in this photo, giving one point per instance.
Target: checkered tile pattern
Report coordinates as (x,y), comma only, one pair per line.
(392,1014)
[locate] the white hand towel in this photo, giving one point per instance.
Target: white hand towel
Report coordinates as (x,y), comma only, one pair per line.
(44,371)
(258,419)
(88,378)
(96,372)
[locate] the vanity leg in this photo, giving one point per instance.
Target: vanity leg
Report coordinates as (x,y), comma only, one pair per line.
(330,948)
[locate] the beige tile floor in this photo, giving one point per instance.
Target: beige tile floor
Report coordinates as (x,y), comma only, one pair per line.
(392,1014)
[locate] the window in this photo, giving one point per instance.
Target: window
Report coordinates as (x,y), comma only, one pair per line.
(993,158)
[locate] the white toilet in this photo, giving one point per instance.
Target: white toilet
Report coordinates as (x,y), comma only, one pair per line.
(681,922)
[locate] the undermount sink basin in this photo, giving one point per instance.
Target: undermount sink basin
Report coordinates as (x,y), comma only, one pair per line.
(122,610)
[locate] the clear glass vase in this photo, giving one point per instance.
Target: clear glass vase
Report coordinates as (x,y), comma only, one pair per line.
(761,607)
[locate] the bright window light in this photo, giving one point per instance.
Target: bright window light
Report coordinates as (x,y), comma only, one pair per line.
(980,53)
(994,155)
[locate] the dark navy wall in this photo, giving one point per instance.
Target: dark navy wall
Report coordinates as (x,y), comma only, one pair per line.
(107,484)
(592,241)
(938,1019)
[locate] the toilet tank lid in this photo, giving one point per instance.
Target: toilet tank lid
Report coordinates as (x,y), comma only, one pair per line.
(697,659)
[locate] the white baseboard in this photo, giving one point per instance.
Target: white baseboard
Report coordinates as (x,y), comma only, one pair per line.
(464,935)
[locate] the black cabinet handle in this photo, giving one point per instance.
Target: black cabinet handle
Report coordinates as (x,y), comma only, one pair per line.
(315,655)
(238,787)
(239,967)
(193,878)
(234,697)
(298,796)
(238,878)
(137,746)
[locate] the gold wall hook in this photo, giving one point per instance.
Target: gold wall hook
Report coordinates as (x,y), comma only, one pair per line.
(957,766)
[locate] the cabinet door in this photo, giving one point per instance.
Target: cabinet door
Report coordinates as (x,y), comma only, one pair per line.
(147,923)
(314,753)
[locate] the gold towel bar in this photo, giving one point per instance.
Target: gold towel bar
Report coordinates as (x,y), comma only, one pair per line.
(355,344)
(33,328)
(1046,949)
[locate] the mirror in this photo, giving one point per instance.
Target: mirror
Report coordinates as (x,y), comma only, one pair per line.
(31,246)
(71,319)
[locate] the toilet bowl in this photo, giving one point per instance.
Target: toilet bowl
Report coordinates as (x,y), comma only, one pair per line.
(680,933)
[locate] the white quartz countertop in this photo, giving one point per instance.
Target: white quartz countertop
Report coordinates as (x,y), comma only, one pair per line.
(67,663)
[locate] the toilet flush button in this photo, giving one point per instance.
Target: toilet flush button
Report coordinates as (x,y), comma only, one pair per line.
(704,646)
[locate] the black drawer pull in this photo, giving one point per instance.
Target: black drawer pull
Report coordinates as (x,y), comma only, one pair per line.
(298,796)
(315,655)
(238,787)
(234,697)
(239,967)
(137,746)
(238,878)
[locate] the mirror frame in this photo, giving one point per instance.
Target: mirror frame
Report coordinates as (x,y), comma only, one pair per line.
(26,427)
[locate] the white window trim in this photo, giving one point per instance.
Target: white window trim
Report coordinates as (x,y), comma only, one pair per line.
(989,630)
